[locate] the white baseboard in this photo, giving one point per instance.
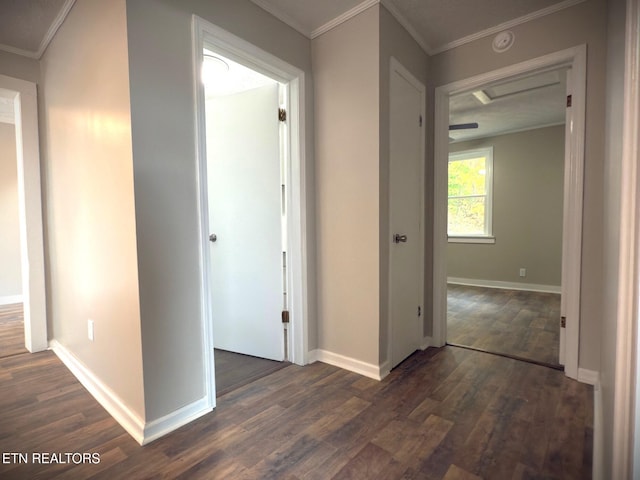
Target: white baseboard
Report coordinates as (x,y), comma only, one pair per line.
(176,419)
(127,418)
(112,403)
(10,299)
(377,372)
(529,287)
(589,377)
(426,343)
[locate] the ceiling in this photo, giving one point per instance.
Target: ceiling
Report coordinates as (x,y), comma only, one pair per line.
(222,76)
(436,25)
(27,27)
(530,102)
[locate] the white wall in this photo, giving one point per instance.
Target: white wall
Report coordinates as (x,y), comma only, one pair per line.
(346,74)
(165,173)
(89,210)
(10,270)
(584,23)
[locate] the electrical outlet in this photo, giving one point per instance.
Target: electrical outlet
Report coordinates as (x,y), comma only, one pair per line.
(90,330)
(523,272)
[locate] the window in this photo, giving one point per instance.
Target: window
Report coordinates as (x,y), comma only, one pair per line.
(470,188)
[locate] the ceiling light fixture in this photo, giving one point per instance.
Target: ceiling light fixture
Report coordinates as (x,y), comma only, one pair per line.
(212,67)
(482,97)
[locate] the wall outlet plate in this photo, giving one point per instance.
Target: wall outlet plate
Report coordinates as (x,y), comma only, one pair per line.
(90,330)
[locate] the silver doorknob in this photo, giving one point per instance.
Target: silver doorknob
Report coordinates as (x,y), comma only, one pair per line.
(213,237)
(397,238)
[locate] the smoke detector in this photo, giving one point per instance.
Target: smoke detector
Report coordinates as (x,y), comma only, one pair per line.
(503,41)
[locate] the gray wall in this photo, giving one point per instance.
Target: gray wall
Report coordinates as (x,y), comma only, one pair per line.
(611,231)
(88,197)
(527,211)
(165,173)
(352,178)
(584,23)
(17,66)
(396,42)
(10,270)
(346,74)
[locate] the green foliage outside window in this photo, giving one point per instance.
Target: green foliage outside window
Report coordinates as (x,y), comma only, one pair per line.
(467,196)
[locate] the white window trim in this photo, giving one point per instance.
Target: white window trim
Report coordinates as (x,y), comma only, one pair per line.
(471,239)
(487,237)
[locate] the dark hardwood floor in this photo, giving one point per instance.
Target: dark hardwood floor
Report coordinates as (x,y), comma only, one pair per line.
(233,370)
(444,413)
(517,323)
(11,330)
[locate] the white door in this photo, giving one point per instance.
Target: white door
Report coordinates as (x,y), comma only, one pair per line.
(406,250)
(244,190)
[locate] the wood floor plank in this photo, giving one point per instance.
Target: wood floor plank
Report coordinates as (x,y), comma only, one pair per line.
(370,463)
(11,330)
(233,370)
(520,323)
(457,473)
(444,413)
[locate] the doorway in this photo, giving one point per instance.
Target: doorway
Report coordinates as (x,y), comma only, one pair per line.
(246,208)
(11,309)
(505,215)
(575,60)
(275,196)
(28,307)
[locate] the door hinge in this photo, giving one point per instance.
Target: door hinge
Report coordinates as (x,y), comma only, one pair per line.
(282,115)
(568,101)
(419,310)
(563,322)
(285,316)
(420,120)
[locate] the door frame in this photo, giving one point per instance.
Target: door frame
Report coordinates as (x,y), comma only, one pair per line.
(576,59)
(25,102)
(239,50)
(396,67)
(625,462)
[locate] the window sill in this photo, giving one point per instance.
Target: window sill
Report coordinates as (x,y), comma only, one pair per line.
(489,239)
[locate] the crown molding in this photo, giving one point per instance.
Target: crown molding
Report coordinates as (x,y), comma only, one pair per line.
(505,26)
(344,17)
(57,22)
(19,51)
(46,40)
(284,17)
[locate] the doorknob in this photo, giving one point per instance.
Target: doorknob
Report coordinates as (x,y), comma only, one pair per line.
(397,238)
(213,237)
